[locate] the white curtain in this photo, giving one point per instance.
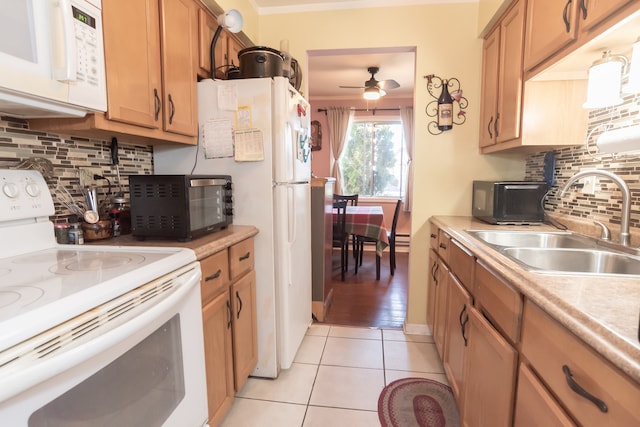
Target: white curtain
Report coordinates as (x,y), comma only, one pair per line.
(406,115)
(338,120)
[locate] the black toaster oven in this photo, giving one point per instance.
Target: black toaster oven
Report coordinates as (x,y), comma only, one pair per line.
(181,207)
(508,202)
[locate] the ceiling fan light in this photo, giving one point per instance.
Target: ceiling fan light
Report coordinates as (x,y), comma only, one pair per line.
(372,93)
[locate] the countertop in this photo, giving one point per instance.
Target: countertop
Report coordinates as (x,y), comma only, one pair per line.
(203,246)
(602,310)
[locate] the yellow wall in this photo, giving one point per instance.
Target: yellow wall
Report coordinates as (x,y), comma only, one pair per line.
(445,36)
(488,12)
(249,15)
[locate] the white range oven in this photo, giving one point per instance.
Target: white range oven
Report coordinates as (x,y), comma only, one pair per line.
(93,335)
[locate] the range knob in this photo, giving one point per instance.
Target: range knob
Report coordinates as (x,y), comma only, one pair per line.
(227,186)
(11,190)
(228,199)
(228,211)
(32,189)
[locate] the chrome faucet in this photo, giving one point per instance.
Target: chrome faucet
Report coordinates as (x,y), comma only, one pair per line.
(626,197)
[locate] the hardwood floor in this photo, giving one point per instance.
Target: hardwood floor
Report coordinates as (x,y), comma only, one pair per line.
(361,300)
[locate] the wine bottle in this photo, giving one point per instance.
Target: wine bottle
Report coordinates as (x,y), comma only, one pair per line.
(445,108)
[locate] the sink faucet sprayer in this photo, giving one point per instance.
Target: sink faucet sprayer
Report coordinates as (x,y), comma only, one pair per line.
(626,197)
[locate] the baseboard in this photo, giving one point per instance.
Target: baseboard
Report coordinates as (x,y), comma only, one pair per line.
(417,329)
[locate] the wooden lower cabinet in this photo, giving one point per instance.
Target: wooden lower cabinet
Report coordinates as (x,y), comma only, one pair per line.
(535,406)
(563,363)
(218,352)
(245,338)
(228,289)
(441,291)
(458,303)
(490,376)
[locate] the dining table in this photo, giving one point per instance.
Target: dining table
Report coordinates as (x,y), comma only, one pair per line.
(368,221)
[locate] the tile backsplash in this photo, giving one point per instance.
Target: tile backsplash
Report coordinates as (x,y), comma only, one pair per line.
(606,203)
(67,153)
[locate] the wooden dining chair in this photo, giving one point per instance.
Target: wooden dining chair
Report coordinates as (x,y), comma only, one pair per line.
(391,235)
(352,200)
(340,236)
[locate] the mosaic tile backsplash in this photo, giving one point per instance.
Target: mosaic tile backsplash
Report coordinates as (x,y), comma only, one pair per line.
(605,204)
(67,154)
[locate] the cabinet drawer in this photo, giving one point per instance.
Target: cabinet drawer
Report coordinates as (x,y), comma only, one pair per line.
(461,263)
(433,237)
(499,302)
(215,275)
(241,258)
(535,406)
(549,347)
(444,245)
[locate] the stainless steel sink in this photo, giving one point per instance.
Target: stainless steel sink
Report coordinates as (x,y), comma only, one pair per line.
(583,261)
(534,239)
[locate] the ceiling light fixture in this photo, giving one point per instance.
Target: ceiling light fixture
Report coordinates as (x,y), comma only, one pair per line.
(232,21)
(605,80)
(373,93)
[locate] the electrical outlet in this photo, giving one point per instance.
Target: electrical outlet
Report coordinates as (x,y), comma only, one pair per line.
(589,185)
(86,176)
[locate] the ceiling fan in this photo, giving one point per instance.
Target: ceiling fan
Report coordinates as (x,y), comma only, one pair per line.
(374,89)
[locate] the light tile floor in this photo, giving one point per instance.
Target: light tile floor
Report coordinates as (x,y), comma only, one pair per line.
(336,379)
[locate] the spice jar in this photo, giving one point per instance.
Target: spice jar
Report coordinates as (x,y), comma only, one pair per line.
(120,216)
(62,233)
(76,236)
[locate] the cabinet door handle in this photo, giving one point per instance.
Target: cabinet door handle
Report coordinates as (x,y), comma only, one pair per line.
(434,269)
(173,109)
(433,236)
(565,16)
(489,128)
(583,7)
(158,102)
(245,256)
(240,304)
(213,276)
(495,124)
(582,392)
(463,323)
(229,313)
(443,246)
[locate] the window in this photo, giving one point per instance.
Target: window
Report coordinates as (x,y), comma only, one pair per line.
(373,161)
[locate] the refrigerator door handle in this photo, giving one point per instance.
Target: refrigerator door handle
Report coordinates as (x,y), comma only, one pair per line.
(279,184)
(292,214)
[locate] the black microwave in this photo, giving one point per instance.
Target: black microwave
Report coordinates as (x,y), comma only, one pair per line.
(181,207)
(508,202)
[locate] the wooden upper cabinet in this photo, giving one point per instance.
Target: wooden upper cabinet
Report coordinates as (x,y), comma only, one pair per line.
(180,114)
(226,49)
(206,29)
(501,106)
(489,99)
(551,25)
(510,73)
(132,61)
(593,12)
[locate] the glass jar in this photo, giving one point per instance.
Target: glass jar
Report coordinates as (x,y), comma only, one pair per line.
(62,233)
(76,236)
(120,216)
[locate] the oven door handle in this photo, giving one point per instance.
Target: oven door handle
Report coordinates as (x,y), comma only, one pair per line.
(127,329)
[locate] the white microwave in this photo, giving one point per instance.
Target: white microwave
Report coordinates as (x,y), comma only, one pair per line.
(51,58)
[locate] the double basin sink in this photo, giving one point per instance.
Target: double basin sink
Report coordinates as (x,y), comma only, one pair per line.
(562,252)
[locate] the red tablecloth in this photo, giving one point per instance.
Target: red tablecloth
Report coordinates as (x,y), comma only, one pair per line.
(367,221)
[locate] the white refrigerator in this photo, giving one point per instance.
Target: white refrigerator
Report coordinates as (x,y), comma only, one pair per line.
(268,122)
